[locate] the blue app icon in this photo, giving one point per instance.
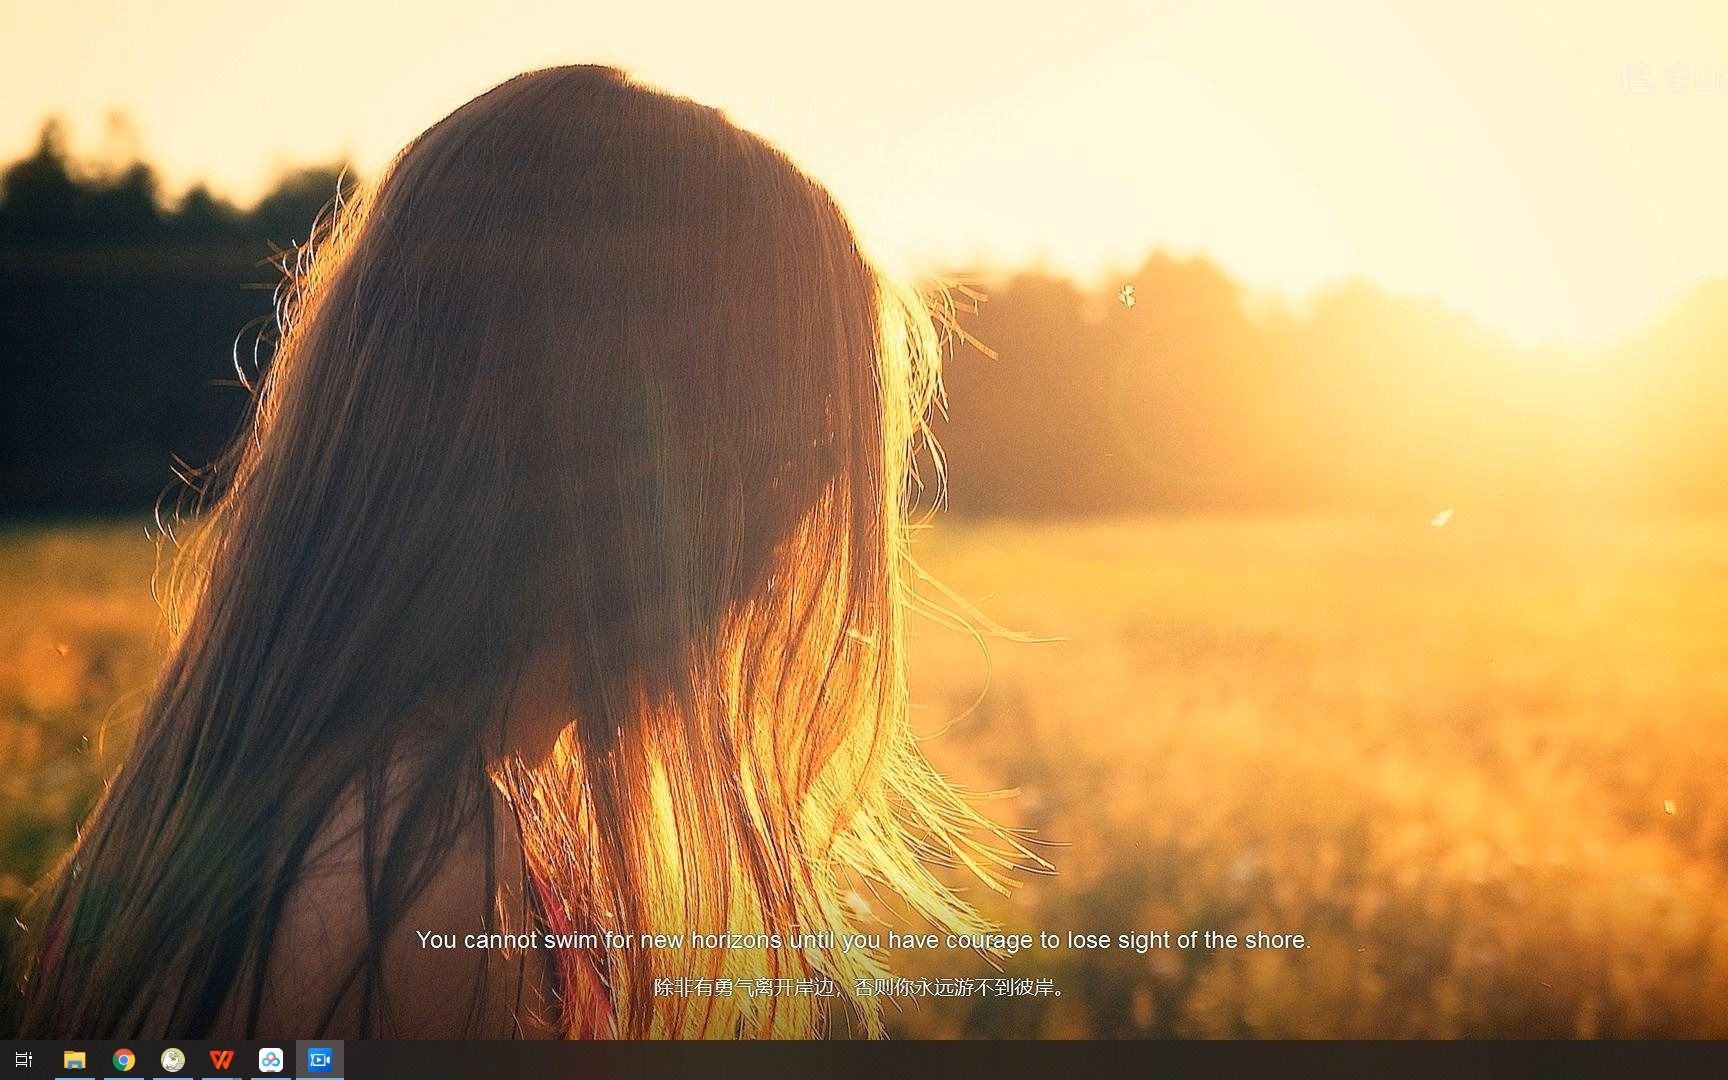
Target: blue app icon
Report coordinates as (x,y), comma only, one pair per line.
(319,1059)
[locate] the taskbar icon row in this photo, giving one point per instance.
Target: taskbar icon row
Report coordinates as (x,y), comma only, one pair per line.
(304,1060)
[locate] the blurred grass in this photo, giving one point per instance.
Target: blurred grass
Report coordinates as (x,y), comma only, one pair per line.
(1443,754)
(78,645)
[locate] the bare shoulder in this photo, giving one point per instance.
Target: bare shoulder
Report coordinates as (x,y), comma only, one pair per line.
(425,990)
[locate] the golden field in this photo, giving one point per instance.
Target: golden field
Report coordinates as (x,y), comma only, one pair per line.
(1479,766)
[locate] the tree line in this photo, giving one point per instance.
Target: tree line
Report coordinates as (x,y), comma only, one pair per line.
(122,316)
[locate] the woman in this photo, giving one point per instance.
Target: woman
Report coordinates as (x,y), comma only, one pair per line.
(556,589)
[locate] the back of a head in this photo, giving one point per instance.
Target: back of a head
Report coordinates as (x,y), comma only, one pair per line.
(609,316)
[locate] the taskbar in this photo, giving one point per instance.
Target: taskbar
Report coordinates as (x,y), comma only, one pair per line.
(184,1059)
(406,1060)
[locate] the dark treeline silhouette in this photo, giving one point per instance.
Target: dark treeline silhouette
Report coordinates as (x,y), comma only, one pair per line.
(120,316)
(1203,395)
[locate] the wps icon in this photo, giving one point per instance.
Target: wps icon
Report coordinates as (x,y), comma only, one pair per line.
(221,1059)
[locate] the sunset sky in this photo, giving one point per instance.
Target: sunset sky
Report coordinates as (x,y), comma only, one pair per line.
(1556,169)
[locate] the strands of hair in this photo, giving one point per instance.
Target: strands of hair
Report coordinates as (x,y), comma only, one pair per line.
(588,372)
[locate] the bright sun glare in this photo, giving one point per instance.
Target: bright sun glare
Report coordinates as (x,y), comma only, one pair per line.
(1552,170)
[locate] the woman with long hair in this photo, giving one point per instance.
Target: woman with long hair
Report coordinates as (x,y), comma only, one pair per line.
(554,595)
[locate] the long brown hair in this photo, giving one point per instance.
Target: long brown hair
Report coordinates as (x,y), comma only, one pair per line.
(590,368)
